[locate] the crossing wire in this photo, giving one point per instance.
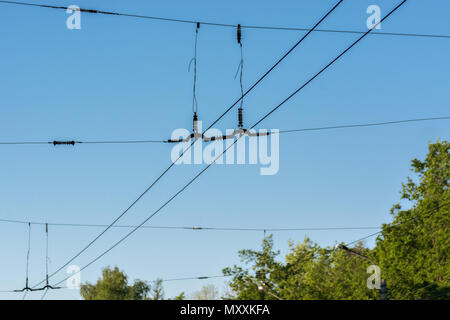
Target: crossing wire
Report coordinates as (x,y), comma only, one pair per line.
(220,117)
(259,121)
(227,25)
(379,232)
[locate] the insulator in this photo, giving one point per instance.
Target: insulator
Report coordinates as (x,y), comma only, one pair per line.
(195,127)
(239,33)
(63,143)
(240,118)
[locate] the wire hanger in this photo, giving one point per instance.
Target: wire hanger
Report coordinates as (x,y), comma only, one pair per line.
(27,288)
(47,285)
(240,130)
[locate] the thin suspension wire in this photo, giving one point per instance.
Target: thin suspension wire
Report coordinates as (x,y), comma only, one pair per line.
(376,233)
(345,126)
(82,142)
(195,278)
(215,24)
(209,165)
(241,70)
(329,64)
(44,294)
(194,60)
(28,255)
(372,124)
(46,252)
(195,228)
(182,154)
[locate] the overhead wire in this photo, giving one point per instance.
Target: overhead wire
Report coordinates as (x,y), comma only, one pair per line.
(376,233)
(195,228)
(344,126)
(220,117)
(227,25)
(259,121)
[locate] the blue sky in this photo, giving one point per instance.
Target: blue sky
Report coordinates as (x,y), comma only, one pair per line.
(124,78)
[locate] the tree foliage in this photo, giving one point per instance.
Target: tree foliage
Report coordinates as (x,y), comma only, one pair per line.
(412,251)
(114,286)
(208,292)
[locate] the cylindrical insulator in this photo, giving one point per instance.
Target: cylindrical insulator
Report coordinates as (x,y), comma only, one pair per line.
(240,118)
(239,33)
(195,127)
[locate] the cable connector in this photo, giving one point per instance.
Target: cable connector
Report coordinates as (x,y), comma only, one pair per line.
(55,143)
(239,34)
(240,118)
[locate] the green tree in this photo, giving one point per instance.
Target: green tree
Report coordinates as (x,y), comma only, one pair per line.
(114,286)
(157,290)
(309,272)
(413,250)
(246,283)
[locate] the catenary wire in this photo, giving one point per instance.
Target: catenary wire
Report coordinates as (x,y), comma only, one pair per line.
(195,228)
(173,163)
(376,233)
(208,166)
(345,126)
(228,25)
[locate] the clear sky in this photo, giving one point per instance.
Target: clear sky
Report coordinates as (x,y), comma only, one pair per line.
(122,78)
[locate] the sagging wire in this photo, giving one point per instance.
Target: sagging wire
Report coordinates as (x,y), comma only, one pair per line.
(47,259)
(195,133)
(241,69)
(47,286)
(27,287)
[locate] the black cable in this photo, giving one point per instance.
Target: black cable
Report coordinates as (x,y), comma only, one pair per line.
(195,278)
(28,255)
(227,24)
(173,163)
(374,234)
(85,142)
(345,126)
(328,65)
(194,59)
(209,165)
(44,294)
(364,124)
(241,69)
(46,252)
(192,228)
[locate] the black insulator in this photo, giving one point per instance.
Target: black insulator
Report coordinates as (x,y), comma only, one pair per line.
(64,143)
(240,118)
(239,33)
(198,25)
(195,127)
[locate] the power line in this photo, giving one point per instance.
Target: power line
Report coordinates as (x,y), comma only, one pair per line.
(195,228)
(195,278)
(163,280)
(373,124)
(376,233)
(227,25)
(345,126)
(173,163)
(55,143)
(264,117)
